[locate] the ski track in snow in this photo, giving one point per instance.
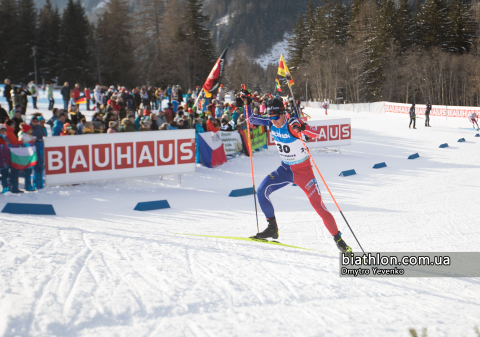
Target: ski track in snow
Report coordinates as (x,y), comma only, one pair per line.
(99,268)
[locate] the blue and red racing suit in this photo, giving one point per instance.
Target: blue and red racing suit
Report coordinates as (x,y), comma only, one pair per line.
(295,168)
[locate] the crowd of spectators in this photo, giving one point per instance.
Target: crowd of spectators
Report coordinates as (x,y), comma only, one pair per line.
(117,109)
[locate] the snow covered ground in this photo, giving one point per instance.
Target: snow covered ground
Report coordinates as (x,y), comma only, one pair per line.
(99,268)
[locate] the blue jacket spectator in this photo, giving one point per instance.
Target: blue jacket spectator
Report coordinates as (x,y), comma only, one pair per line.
(58,125)
(136,123)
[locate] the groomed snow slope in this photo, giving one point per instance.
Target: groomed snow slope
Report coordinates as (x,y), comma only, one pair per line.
(99,268)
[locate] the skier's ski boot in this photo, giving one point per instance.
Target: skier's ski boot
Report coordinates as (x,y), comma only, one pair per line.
(270,232)
(342,246)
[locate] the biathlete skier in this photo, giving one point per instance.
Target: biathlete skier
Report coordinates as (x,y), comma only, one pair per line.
(473,119)
(295,168)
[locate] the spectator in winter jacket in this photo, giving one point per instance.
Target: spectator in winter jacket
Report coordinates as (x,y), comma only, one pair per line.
(413,116)
(181,124)
(7,93)
(173,125)
(11,135)
(211,125)
(3,141)
(235,115)
(144,94)
(33,91)
(147,111)
(37,129)
(24,92)
(153,122)
(164,127)
(169,94)
(145,124)
(137,99)
(17,118)
(49,92)
(97,95)
(41,123)
(427,114)
(179,115)
(221,94)
(168,113)
(88,128)
(54,117)
(179,94)
(67,130)
(128,124)
(27,135)
(3,115)
(65,91)
(81,126)
(112,127)
(88,97)
(161,118)
(58,125)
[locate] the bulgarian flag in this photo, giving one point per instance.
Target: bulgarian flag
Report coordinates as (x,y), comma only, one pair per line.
(23,157)
(283,70)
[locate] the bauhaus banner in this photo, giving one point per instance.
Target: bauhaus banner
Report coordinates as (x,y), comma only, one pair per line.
(75,159)
(333,132)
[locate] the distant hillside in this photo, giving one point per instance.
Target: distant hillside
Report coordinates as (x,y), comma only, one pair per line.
(258,24)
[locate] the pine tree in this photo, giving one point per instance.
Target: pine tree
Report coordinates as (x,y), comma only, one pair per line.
(116,53)
(195,32)
(74,53)
(433,23)
(461,31)
(297,44)
(404,26)
(149,42)
(340,18)
(26,39)
(195,27)
(47,42)
(8,39)
(311,23)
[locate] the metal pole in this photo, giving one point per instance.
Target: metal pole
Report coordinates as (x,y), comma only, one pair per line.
(34,49)
(346,90)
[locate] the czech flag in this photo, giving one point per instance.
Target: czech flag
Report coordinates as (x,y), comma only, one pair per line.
(80,100)
(283,70)
(211,149)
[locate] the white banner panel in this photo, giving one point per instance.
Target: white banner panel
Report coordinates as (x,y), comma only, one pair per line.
(437,110)
(333,132)
(232,141)
(75,159)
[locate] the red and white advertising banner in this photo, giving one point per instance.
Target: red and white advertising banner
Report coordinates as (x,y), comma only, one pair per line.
(333,132)
(437,110)
(75,159)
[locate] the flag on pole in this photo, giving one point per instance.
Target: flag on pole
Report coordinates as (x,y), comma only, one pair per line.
(279,87)
(23,157)
(213,81)
(283,70)
(80,100)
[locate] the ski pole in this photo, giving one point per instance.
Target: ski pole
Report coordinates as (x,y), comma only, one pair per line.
(325,183)
(249,147)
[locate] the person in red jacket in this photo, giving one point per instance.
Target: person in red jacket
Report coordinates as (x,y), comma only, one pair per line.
(211,125)
(10,126)
(76,94)
(88,97)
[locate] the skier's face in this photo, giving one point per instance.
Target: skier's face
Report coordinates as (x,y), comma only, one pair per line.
(279,122)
